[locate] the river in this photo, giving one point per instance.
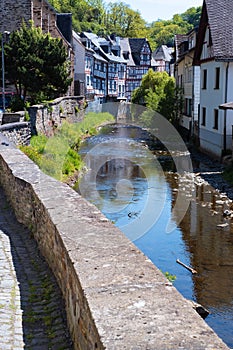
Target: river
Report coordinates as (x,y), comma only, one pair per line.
(138,191)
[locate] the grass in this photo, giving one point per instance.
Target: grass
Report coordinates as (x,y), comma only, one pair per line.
(58,156)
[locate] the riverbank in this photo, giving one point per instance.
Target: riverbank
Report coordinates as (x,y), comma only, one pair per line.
(57,156)
(211,170)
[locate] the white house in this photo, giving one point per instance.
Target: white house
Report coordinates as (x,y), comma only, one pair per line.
(188,79)
(214,55)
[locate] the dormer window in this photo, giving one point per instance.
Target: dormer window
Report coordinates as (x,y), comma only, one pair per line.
(88,44)
(191,42)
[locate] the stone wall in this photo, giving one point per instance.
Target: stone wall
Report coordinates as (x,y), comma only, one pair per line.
(43,119)
(115,297)
(12,13)
(17,133)
(8,118)
(46,118)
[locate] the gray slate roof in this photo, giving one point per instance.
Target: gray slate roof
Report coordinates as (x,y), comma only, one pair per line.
(125,48)
(136,44)
(221,26)
(162,53)
(98,41)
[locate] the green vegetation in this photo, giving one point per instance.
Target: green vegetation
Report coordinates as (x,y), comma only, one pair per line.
(119,18)
(58,156)
(162,32)
(171,278)
(158,93)
(36,64)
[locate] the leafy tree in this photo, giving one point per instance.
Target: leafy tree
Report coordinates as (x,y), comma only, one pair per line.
(192,16)
(124,21)
(119,18)
(162,32)
(87,15)
(157,92)
(36,64)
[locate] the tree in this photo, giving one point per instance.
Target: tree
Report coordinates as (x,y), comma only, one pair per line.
(36,64)
(162,32)
(119,18)
(124,21)
(157,92)
(192,16)
(87,15)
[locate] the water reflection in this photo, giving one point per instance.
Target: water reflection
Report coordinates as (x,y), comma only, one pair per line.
(126,178)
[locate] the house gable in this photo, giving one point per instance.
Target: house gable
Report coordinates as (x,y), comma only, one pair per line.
(215,32)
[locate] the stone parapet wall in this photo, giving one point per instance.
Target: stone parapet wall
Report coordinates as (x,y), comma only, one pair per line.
(17,133)
(46,118)
(115,297)
(8,118)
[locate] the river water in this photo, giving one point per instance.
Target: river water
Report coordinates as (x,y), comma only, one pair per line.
(138,190)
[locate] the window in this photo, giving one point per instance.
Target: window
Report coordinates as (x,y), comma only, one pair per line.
(204,82)
(216,119)
(217,77)
(191,42)
(210,43)
(188,107)
(203,116)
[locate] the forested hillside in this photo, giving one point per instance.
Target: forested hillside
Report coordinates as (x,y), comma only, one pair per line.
(119,18)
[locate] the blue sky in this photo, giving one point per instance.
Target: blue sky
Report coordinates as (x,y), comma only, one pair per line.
(151,10)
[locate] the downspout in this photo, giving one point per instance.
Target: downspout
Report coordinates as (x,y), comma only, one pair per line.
(107,81)
(225,111)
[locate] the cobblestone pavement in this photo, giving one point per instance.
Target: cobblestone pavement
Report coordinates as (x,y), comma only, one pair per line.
(32,312)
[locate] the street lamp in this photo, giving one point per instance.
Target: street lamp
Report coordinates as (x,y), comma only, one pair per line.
(4,39)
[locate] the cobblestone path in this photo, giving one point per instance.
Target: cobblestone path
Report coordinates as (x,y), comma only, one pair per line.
(32,314)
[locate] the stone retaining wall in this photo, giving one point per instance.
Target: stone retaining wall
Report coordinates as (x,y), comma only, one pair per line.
(45,118)
(115,297)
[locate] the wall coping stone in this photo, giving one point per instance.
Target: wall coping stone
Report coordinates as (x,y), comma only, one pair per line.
(12,126)
(58,100)
(115,297)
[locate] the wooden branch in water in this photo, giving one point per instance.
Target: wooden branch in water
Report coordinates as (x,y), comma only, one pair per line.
(186,266)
